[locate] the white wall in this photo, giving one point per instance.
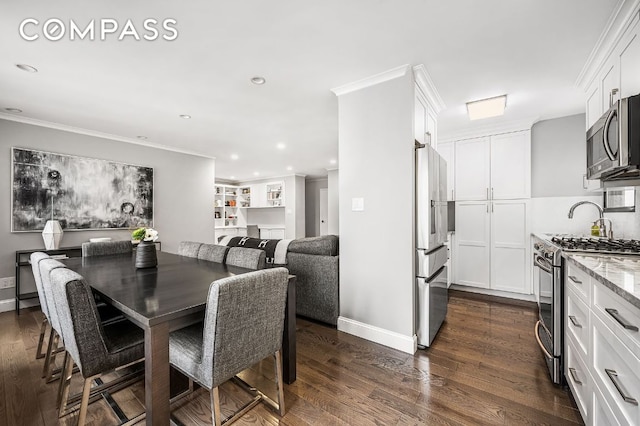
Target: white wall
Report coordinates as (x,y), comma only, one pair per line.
(333,213)
(312,205)
(183,189)
(377,164)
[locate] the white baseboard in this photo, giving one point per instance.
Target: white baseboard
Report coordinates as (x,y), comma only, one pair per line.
(498,293)
(408,344)
(10,304)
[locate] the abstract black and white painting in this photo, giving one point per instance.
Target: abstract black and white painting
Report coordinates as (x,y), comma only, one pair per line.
(79,192)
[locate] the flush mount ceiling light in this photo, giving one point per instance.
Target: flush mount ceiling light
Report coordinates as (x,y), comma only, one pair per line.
(185,116)
(27,68)
(234,156)
(258,80)
(16,110)
(485,108)
(232,177)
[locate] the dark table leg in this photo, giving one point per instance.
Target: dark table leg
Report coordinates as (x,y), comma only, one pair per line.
(156,374)
(289,335)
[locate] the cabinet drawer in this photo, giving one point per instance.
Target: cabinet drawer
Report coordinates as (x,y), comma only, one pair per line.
(579,380)
(579,281)
(601,414)
(621,317)
(617,371)
(577,322)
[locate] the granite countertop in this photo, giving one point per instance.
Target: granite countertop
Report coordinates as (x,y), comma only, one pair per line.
(621,274)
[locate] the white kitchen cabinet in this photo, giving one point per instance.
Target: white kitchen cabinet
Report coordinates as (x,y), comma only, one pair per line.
(491,245)
(472,169)
(594,107)
(511,166)
(509,246)
(424,120)
(472,243)
(258,195)
(447,150)
(609,84)
(629,60)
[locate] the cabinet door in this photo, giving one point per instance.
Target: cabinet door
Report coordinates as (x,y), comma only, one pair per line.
(472,243)
(629,57)
(609,80)
(420,118)
(594,105)
(511,166)
(472,169)
(447,151)
(259,195)
(509,246)
(277,234)
(432,127)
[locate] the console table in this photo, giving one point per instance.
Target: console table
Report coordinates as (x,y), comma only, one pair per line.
(22,260)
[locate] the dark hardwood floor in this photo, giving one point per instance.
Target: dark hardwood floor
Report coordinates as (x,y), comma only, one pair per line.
(483,368)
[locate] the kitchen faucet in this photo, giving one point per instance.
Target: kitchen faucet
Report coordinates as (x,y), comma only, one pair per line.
(601,219)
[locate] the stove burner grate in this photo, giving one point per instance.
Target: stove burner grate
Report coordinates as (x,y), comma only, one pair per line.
(598,245)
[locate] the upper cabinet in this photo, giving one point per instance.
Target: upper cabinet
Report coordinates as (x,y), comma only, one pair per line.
(496,167)
(612,72)
(447,150)
(425,120)
(269,194)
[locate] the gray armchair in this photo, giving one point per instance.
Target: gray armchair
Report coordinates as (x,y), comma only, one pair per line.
(246,258)
(243,324)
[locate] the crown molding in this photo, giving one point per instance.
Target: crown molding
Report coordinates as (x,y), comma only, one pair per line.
(428,89)
(372,81)
(613,31)
(488,130)
(97,134)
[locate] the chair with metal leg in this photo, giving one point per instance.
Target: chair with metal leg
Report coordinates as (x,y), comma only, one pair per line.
(249,258)
(35,259)
(243,324)
(95,348)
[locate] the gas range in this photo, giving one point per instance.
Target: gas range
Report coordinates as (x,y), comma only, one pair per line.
(597,245)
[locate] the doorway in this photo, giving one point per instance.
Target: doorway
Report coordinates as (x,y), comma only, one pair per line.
(324,211)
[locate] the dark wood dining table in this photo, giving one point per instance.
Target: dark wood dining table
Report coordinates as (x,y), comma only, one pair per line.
(165,298)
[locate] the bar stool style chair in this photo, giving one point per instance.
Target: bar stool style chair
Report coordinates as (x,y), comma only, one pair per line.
(189,248)
(35,259)
(213,252)
(249,258)
(243,324)
(104,248)
(96,348)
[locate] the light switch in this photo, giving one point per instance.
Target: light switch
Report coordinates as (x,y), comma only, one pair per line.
(357,204)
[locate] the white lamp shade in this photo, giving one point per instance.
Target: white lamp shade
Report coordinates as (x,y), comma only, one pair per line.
(52,234)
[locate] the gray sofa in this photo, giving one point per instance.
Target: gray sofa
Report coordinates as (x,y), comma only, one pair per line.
(315,263)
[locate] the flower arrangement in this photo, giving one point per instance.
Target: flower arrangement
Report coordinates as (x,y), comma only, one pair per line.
(144,234)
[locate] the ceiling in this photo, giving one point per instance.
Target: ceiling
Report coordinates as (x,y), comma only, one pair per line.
(532,50)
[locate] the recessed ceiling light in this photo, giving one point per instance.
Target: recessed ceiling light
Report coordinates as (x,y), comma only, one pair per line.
(258,80)
(486,108)
(232,177)
(27,68)
(142,137)
(289,168)
(185,116)
(333,161)
(281,145)
(256,174)
(16,110)
(234,156)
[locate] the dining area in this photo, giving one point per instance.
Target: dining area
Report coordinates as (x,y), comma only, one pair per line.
(194,319)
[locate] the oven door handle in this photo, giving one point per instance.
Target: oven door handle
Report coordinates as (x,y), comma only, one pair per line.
(542,263)
(605,135)
(546,352)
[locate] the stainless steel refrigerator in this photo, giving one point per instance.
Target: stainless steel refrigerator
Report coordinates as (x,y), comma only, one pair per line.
(431,234)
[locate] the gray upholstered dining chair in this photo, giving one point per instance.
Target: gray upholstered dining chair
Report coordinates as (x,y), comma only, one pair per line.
(213,252)
(243,324)
(249,258)
(46,265)
(104,248)
(189,248)
(35,259)
(96,348)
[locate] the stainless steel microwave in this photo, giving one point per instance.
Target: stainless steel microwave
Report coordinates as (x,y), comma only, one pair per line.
(613,142)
